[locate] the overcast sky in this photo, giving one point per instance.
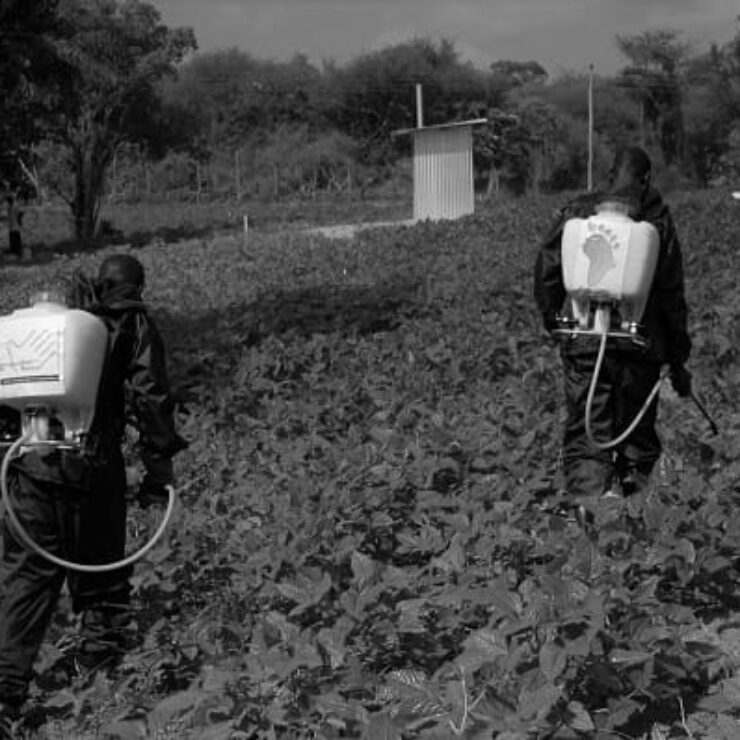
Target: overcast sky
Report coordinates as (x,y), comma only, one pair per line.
(563,35)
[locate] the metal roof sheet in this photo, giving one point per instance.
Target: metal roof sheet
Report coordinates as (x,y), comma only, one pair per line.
(438,126)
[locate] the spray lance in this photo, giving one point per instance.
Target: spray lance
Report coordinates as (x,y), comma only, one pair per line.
(608,264)
(51,361)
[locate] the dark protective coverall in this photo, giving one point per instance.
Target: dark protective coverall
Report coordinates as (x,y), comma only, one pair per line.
(74,504)
(628,373)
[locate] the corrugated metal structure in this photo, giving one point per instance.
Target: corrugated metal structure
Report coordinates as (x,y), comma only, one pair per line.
(443,170)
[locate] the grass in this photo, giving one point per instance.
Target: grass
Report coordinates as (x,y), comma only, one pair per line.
(48,227)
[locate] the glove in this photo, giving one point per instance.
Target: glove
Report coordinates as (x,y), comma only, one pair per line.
(681,380)
(153,488)
(152,494)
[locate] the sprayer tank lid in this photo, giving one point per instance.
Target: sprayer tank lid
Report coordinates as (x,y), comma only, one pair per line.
(47,297)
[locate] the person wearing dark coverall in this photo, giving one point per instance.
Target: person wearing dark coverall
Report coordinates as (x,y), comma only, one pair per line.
(74,504)
(628,373)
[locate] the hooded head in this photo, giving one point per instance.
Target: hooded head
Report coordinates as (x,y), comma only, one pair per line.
(630,175)
(122,274)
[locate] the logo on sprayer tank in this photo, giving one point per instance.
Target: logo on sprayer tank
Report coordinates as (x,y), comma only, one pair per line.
(25,356)
(599,247)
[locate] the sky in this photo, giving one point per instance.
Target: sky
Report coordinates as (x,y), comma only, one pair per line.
(563,35)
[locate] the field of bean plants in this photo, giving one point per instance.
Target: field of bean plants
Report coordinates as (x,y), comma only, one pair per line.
(368,542)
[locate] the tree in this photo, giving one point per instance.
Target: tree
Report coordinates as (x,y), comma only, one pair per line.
(237,98)
(374,94)
(502,148)
(706,120)
(280,93)
(712,110)
(119,52)
(31,76)
(533,145)
(510,74)
(616,117)
(656,61)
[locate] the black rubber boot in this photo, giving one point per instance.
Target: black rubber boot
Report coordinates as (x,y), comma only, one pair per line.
(103,637)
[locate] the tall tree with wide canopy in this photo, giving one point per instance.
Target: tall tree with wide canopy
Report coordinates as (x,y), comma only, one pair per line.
(714,136)
(374,94)
(120,51)
(653,74)
(235,97)
(30,78)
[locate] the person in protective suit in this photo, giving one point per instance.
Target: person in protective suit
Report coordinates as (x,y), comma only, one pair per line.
(628,373)
(74,503)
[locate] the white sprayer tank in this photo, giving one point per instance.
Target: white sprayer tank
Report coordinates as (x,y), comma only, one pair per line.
(52,356)
(609,258)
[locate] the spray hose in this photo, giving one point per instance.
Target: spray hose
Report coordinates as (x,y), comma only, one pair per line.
(61,562)
(592,391)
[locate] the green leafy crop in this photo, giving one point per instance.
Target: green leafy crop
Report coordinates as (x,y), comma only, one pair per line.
(368,542)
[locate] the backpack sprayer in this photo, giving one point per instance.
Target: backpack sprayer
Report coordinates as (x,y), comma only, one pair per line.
(608,263)
(51,361)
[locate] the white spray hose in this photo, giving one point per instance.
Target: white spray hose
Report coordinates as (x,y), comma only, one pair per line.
(61,562)
(592,391)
